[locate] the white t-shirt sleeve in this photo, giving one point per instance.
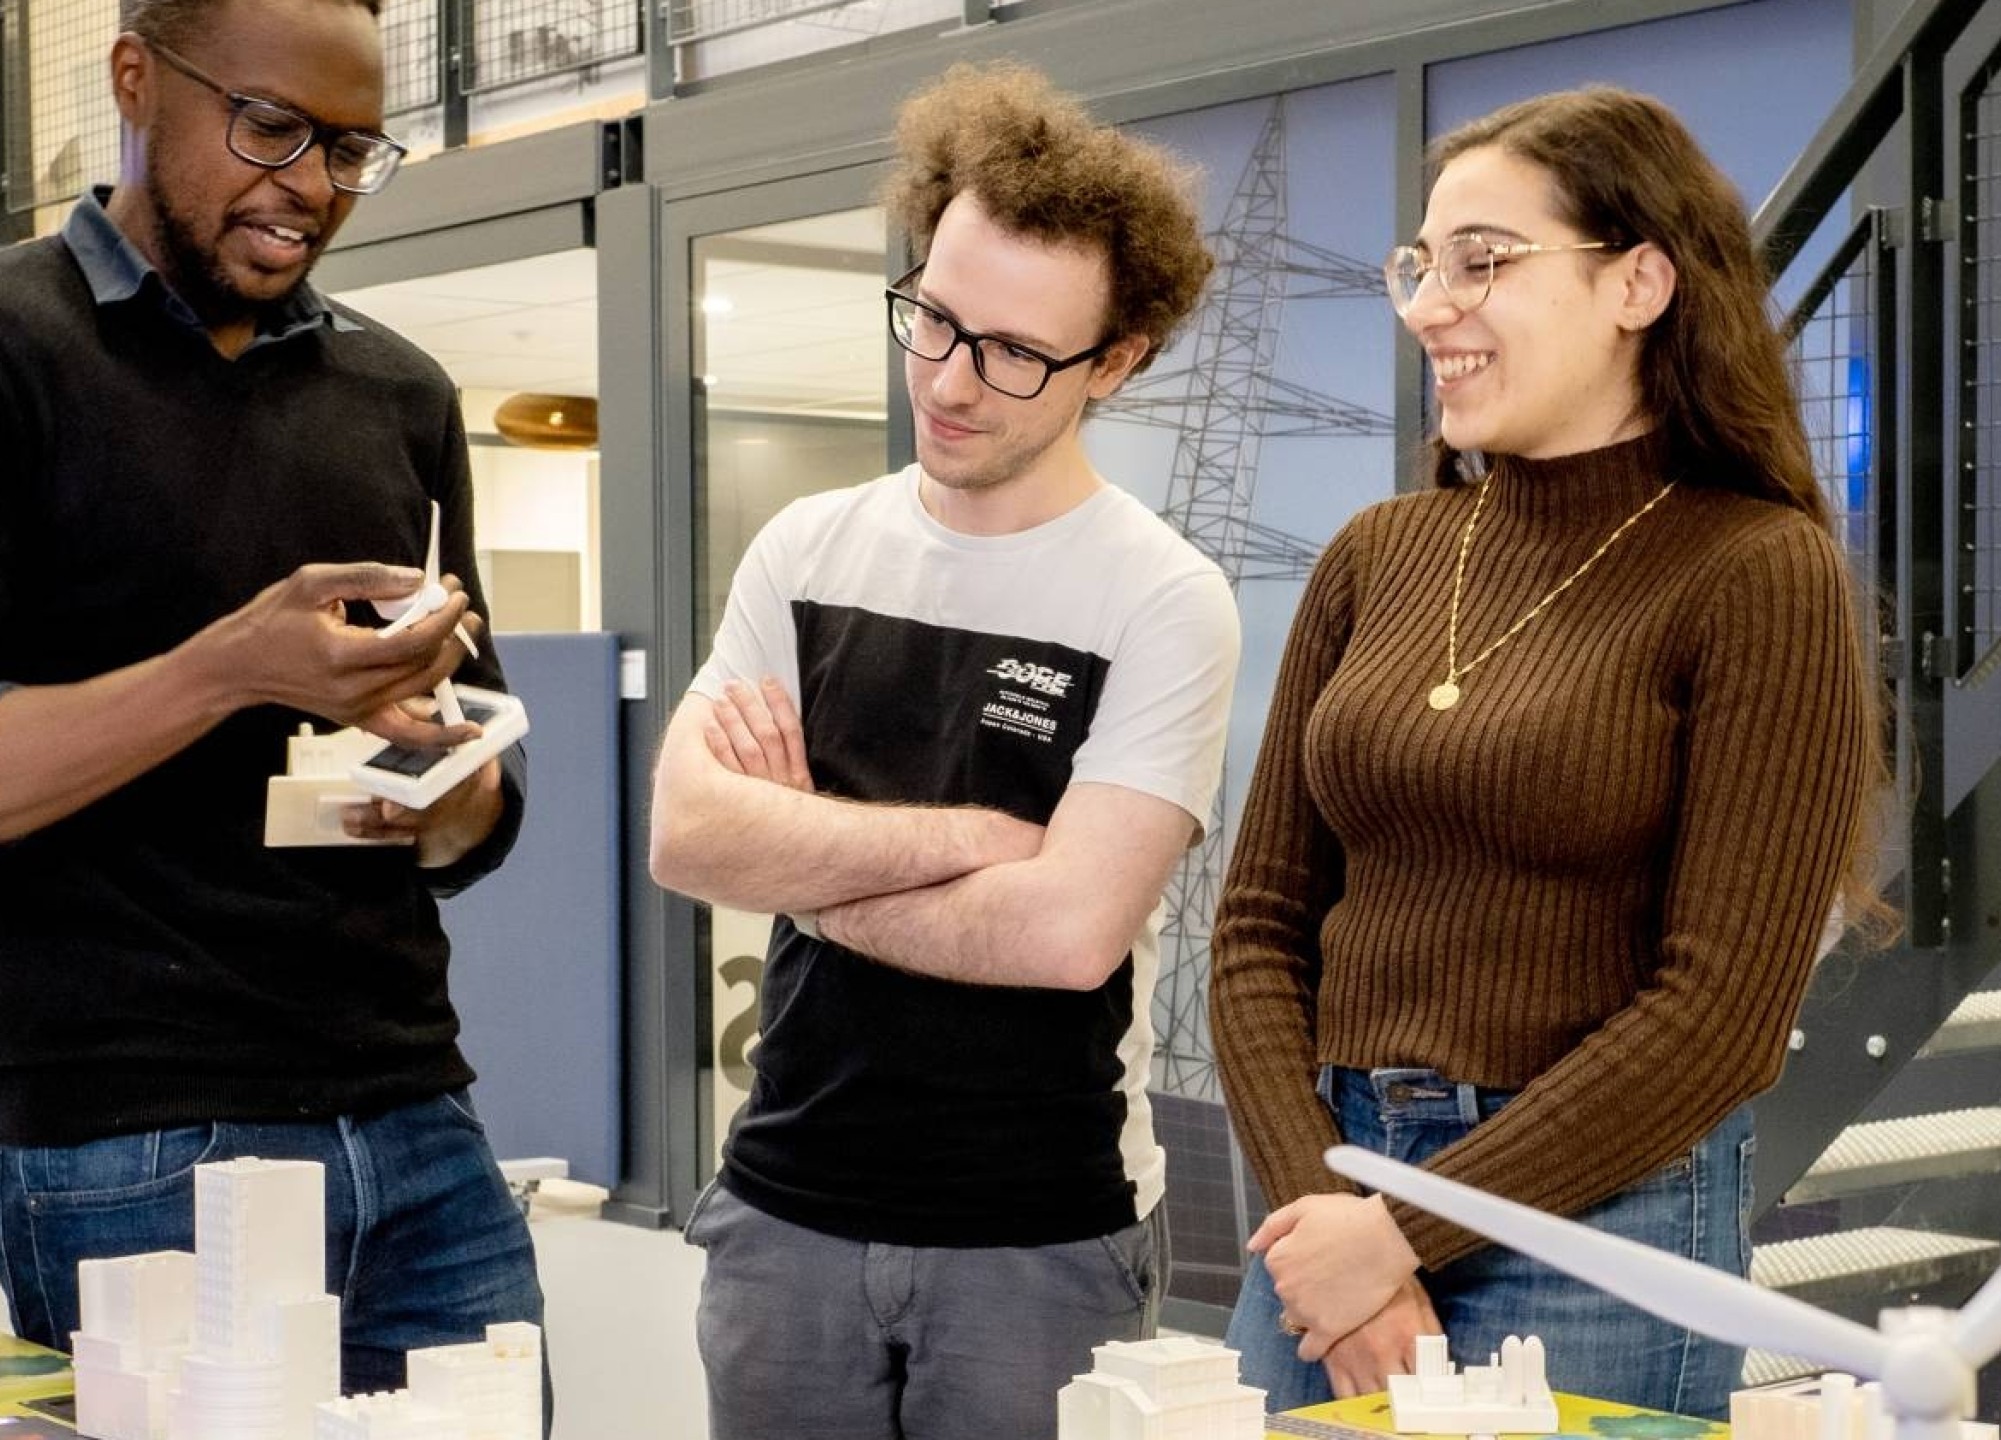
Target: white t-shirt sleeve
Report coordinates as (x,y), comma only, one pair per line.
(1162,723)
(757,636)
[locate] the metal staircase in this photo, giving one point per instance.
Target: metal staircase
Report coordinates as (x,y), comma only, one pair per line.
(1879,1162)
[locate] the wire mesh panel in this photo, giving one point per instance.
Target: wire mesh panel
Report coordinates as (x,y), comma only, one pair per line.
(410,60)
(1841,348)
(711,38)
(517,40)
(706,19)
(1838,367)
(1979,518)
(62,130)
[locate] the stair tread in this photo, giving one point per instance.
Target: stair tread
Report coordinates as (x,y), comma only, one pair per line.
(1918,1147)
(1768,1367)
(1889,1258)
(1785,1264)
(1974,1024)
(1945,1132)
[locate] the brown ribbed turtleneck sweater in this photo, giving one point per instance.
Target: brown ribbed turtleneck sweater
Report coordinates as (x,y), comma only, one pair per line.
(1599,879)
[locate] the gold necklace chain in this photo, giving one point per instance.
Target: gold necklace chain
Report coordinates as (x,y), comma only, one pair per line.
(1445,695)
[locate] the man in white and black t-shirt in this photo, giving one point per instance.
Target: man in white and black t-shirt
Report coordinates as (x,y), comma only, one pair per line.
(958,727)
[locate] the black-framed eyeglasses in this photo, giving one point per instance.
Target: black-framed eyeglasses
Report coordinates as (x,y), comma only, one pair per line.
(272,135)
(1015,370)
(1464,267)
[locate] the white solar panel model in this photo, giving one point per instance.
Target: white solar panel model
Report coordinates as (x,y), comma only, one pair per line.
(416,778)
(325,774)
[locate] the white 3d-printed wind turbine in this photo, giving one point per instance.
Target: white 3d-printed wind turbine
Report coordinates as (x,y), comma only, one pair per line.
(416,778)
(426,599)
(1926,1358)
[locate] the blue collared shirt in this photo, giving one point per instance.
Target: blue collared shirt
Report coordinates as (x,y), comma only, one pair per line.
(115,271)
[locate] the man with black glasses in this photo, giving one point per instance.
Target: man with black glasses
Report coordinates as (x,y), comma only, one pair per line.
(210,472)
(958,727)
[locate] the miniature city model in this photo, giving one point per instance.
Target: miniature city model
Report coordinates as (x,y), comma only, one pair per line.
(1173,1388)
(1509,1395)
(239,1341)
(1823,1407)
(490,1390)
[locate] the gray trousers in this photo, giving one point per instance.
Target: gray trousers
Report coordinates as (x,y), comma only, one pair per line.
(811,1337)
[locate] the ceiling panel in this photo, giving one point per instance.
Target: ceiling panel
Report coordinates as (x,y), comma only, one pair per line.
(789,333)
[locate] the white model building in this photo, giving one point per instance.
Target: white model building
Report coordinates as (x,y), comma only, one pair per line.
(247,1349)
(137,1317)
(1823,1407)
(1509,1395)
(239,1341)
(489,1390)
(1173,1388)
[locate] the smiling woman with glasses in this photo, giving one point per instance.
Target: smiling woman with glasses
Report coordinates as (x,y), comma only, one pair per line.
(1015,370)
(1565,766)
(273,135)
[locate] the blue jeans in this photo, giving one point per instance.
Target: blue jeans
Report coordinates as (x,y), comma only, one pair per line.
(1698,1205)
(812,1337)
(424,1244)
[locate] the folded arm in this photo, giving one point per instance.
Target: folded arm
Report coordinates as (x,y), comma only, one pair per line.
(739,839)
(1065,917)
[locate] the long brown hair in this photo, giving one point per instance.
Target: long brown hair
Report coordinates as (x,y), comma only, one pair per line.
(1713,370)
(1714,374)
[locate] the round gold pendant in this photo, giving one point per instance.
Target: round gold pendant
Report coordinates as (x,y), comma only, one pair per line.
(1444,696)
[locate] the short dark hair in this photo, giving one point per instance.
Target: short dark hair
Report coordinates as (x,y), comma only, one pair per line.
(174,22)
(1041,167)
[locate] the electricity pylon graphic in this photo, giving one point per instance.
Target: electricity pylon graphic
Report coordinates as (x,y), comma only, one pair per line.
(1223,404)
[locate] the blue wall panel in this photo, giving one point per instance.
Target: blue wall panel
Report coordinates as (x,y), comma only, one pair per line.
(535,946)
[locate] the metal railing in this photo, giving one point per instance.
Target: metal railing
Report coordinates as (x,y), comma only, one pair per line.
(59,131)
(1979,275)
(1904,423)
(60,127)
(511,42)
(691,20)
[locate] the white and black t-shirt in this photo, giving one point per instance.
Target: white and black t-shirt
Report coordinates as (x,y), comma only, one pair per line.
(938,668)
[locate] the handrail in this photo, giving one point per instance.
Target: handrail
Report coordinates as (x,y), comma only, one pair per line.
(1849,136)
(1865,1015)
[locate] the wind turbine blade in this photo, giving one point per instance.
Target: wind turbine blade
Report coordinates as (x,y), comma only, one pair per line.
(410,615)
(1976,1330)
(1678,1290)
(431,549)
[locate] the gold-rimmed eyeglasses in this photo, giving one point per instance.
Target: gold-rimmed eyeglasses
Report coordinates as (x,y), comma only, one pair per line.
(274,135)
(1015,370)
(1464,267)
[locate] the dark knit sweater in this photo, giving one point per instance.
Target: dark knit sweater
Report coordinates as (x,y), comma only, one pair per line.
(1600,879)
(159,965)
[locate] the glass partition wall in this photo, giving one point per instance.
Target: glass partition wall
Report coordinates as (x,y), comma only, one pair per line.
(790,397)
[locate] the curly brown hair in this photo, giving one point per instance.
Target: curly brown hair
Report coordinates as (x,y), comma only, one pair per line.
(1713,369)
(1043,168)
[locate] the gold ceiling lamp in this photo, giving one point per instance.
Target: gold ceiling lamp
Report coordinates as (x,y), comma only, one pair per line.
(548,422)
